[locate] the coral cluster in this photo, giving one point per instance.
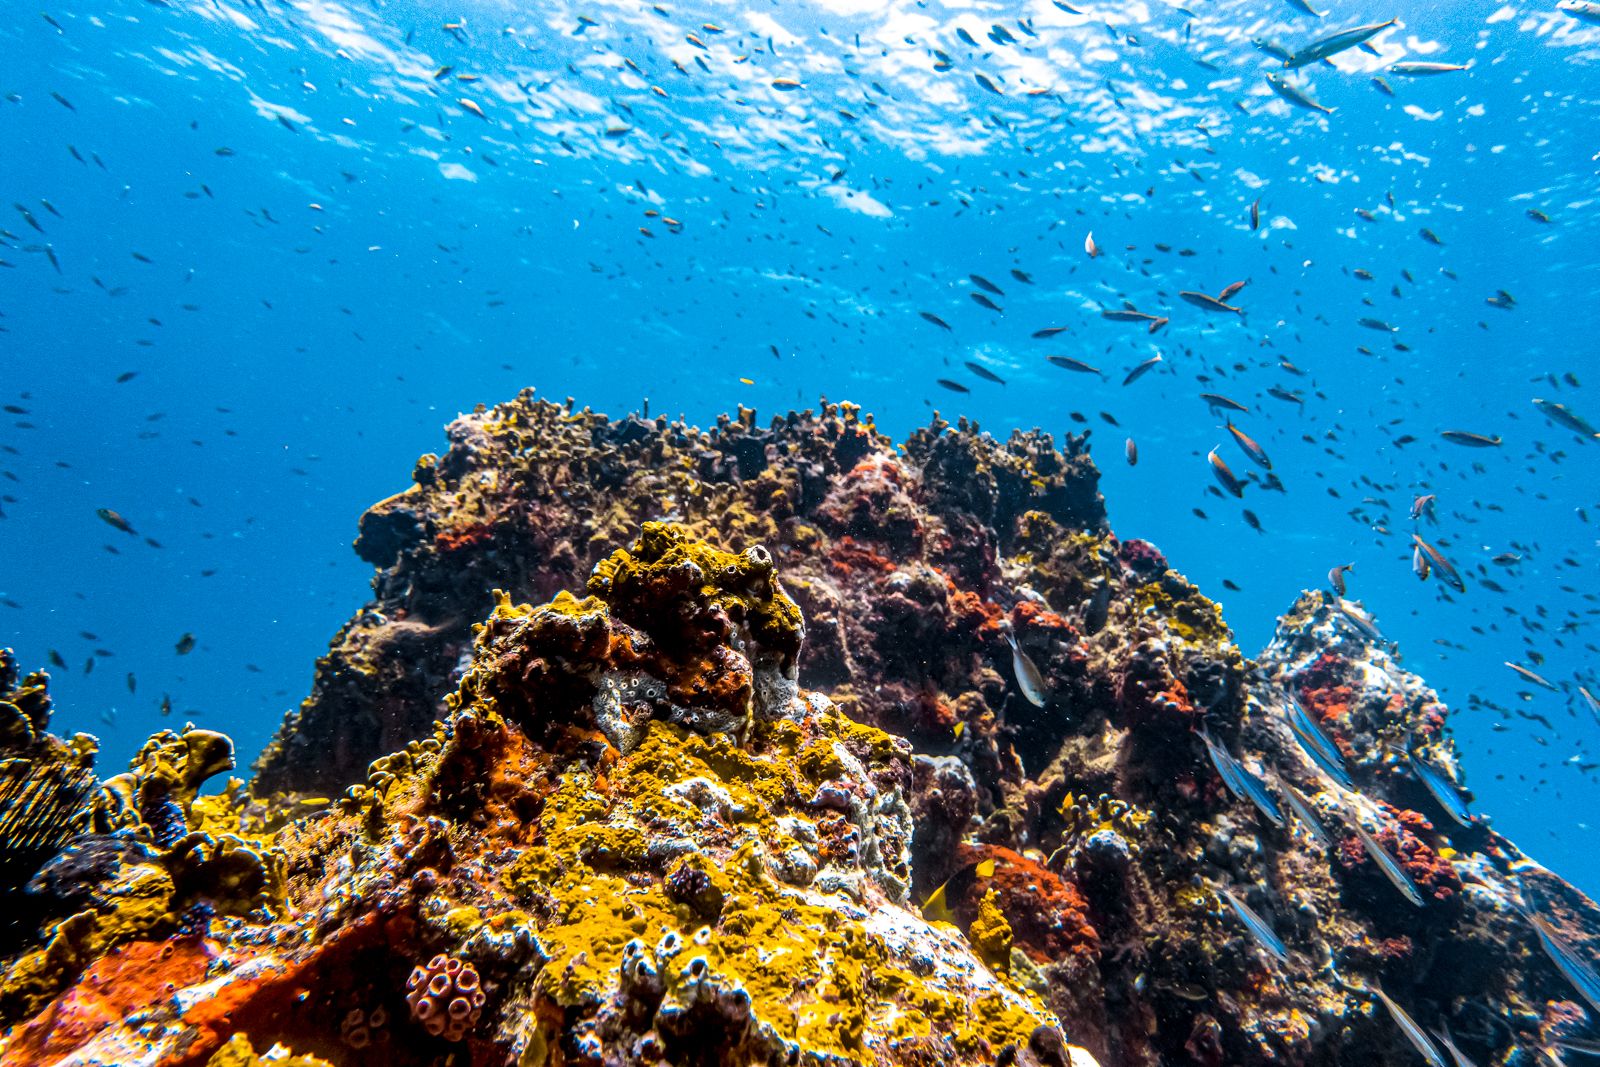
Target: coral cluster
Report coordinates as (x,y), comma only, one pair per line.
(768,785)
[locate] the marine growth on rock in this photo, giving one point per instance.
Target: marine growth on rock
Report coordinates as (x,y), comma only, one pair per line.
(673,746)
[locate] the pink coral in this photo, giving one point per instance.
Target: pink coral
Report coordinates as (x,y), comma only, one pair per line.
(445,997)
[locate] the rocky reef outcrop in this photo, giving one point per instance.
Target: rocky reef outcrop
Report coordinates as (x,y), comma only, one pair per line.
(785,744)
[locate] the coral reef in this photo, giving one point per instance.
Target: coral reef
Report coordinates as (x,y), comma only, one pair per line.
(771,784)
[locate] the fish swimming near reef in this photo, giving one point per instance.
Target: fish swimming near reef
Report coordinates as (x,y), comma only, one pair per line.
(1224,474)
(1573,968)
(1141,370)
(1442,789)
(1336,577)
(1413,1033)
(1364,623)
(1315,742)
(1259,930)
(1386,863)
(1241,781)
(1029,680)
(1447,572)
(1249,446)
(1304,813)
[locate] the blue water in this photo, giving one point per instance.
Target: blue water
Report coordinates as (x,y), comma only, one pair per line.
(341,256)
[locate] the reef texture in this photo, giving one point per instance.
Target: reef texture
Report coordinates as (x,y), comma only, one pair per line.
(769,785)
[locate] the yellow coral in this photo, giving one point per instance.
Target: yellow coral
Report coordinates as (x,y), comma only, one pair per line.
(991,933)
(238,1052)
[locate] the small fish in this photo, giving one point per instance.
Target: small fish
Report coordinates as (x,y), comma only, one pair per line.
(954,387)
(1249,445)
(1382,86)
(111,518)
(984,301)
(1068,363)
(1562,416)
(1127,315)
(786,85)
(473,107)
(1295,96)
(1449,1042)
(1430,237)
(1363,622)
(1216,401)
(1131,450)
(1419,70)
(1090,247)
(986,285)
(1208,302)
(1583,10)
(1471,440)
(133,683)
(1572,966)
(1315,741)
(1334,43)
(1386,863)
(166,704)
(185,645)
(1029,680)
(1224,474)
(1141,370)
(1413,1032)
(1256,925)
(56,660)
(1049,331)
(1592,701)
(1255,214)
(1536,679)
(1336,577)
(1419,564)
(984,372)
(1442,789)
(1423,505)
(936,320)
(1304,813)
(984,81)
(1447,573)
(1232,289)
(1240,781)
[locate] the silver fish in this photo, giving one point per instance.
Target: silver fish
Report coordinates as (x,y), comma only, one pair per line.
(1443,790)
(1386,863)
(1563,416)
(1593,702)
(1443,1034)
(1334,43)
(1363,622)
(1295,96)
(1573,967)
(1305,813)
(1241,782)
(1256,925)
(1029,680)
(1413,1032)
(1418,70)
(1317,744)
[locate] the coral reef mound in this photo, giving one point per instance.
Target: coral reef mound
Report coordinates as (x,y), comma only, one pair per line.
(855,754)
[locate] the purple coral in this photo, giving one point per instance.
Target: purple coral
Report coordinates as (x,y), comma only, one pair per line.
(445,997)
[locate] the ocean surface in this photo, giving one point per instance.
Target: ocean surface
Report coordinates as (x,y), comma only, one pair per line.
(255,254)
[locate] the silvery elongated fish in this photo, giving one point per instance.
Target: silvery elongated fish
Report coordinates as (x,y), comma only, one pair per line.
(1386,863)
(1317,744)
(1256,925)
(1305,813)
(1360,620)
(1443,790)
(1029,680)
(1242,783)
(1334,43)
(1413,1032)
(1573,967)
(1295,96)
(1443,1034)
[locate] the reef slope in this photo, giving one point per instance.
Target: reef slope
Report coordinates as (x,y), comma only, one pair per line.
(868,754)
